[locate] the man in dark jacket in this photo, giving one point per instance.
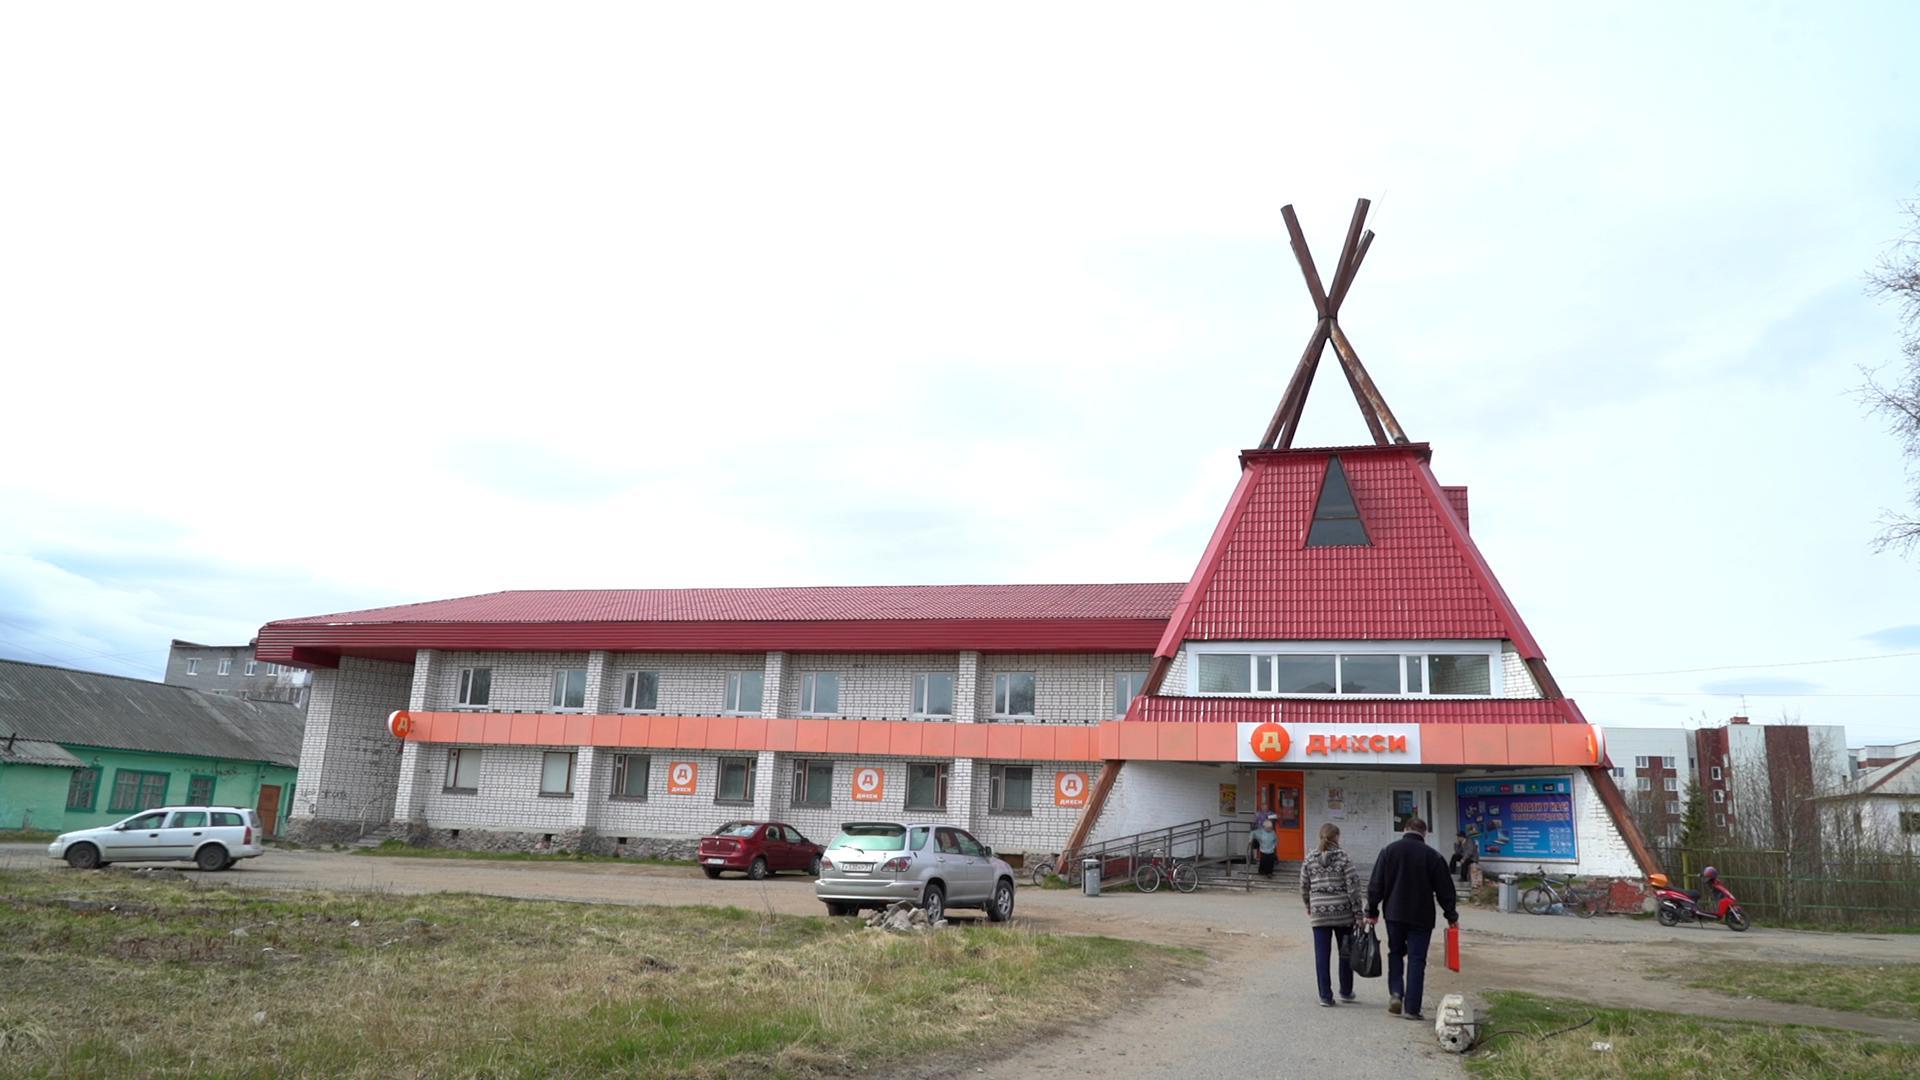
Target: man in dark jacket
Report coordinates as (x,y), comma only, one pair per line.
(1408,878)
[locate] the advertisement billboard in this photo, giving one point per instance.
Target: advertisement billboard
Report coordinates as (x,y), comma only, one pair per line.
(1519,818)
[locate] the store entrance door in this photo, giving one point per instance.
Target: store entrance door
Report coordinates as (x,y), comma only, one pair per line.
(1284,795)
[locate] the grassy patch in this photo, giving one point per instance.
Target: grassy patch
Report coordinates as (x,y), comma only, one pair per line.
(1879,989)
(1657,1044)
(107,976)
(400,849)
(26,836)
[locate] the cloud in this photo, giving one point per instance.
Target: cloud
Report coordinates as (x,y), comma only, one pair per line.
(1896,637)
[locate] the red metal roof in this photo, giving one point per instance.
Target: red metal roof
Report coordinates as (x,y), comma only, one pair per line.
(1421,577)
(1406,710)
(908,618)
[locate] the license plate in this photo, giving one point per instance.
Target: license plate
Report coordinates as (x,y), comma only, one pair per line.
(716,860)
(860,866)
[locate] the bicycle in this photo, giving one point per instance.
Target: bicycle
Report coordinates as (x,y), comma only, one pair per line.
(1051,866)
(1552,891)
(1162,866)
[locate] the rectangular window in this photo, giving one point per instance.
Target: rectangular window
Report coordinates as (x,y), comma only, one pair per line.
(1644,783)
(1303,673)
(630,776)
(736,780)
(1715,772)
(1416,674)
(226,667)
(1226,673)
(1618,773)
(819,694)
(1369,674)
(1909,822)
(463,771)
(1467,674)
(273,669)
(1719,796)
(926,786)
(136,790)
(83,788)
(200,791)
(1640,762)
(1673,783)
(1010,789)
(193,667)
(743,692)
(570,688)
(253,667)
(933,694)
(1673,806)
(813,783)
(476,685)
(1666,762)
(1720,820)
(641,691)
(556,773)
(1013,693)
(1126,687)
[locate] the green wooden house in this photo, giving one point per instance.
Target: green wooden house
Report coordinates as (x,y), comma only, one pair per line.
(80,749)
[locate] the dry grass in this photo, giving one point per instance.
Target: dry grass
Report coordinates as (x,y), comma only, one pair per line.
(107,976)
(1656,1044)
(1878,989)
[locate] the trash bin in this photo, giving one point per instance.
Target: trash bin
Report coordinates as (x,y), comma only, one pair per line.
(1509,897)
(1090,876)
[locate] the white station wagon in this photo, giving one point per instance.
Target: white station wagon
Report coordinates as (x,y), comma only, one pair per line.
(212,837)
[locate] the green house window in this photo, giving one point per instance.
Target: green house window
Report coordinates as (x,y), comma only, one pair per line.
(83,789)
(136,790)
(200,791)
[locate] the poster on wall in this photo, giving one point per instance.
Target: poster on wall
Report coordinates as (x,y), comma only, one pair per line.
(1336,803)
(1229,799)
(1520,818)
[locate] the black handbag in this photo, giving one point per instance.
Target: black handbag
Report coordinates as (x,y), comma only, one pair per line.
(1364,954)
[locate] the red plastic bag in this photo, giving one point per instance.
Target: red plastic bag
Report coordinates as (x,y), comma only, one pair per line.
(1453,947)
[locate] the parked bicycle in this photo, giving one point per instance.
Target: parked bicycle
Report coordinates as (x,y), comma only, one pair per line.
(1052,866)
(1560,892)
(1160,866)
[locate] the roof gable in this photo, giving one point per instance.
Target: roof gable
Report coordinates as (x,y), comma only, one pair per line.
(85,708)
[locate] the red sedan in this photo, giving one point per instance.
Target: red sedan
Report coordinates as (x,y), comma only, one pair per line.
(758,848)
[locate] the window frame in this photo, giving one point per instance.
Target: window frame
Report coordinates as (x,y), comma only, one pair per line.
(1003,693)
(751,765)
(1136,680)
(195,778)
(573,760)
(918,707)
(730,703)
(630,692)
(193,665)
(93,790)
(803,796)
(252,669)
(1640,761)
(465,687)
(1643,783)
(810,693)
(224,667)
(1719,797)
(1424,650)
(1666,761)
(997,793)
(623,765)
(140,779)
(1713,771)
(457,756)
(941,775)
(562,685)
(1909,822)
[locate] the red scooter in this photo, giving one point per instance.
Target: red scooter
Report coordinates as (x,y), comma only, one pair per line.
(1715,903)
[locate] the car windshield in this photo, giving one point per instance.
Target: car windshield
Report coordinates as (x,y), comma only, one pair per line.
(736,828)
(877,837)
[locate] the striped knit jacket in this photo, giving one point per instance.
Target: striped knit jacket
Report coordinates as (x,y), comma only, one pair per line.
(1330,885)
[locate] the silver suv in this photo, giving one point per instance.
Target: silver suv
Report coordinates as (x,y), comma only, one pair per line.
(213,837)
(874,863)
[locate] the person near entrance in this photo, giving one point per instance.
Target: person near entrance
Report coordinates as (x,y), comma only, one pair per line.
(1408,879)
(1266,843)
(1330,887)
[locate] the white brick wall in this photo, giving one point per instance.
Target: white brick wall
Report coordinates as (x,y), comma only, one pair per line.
(1045,829)
(507,796)
(1516,680)
(349,761)
(872,686)
(1068,688)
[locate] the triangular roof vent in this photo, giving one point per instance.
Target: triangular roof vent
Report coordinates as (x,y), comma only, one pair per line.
(1336,517)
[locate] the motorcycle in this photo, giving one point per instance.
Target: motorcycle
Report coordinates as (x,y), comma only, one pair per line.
(1684,905)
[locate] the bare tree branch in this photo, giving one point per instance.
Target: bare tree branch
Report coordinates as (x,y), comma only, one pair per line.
(1898,279)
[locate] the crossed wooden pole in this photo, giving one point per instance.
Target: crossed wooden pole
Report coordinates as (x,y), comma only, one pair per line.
(1326,302)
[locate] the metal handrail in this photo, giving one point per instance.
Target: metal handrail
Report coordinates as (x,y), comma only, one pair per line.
(1205,841)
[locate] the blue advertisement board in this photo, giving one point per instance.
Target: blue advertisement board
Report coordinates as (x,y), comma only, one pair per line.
(1526,817)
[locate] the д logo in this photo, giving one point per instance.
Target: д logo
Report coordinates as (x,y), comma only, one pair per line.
(681,776)
(1070,789)
(1269,742)
(869,784)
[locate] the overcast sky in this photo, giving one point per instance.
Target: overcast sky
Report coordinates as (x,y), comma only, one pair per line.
(303,311)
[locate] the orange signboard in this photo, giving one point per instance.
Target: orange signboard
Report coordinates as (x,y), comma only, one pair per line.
(1069,789)
(682,776)
(869,784)
(1269,742)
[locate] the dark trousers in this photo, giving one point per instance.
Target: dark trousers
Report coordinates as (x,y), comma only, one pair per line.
(1407,943)
(1332,937)
(1266,863)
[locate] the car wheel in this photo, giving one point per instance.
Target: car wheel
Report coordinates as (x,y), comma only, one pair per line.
(935,902)
(711,871)
(84,857)
(835,911)
(211,858)
(757,869)
(814,866)
(1001,909)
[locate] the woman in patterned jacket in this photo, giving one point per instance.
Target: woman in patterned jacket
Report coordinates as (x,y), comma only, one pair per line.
(1336,903)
